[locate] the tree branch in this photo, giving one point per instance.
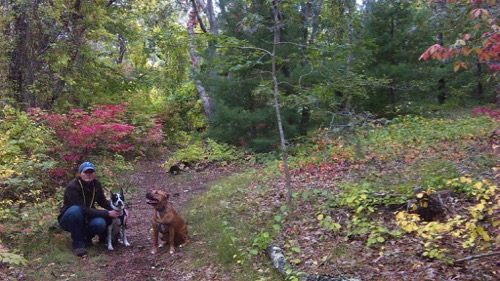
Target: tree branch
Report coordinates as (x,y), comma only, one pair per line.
(198,17)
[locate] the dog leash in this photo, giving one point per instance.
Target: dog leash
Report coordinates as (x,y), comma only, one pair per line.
(83,193)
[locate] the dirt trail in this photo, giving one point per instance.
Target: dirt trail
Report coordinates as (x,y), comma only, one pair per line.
(136,262)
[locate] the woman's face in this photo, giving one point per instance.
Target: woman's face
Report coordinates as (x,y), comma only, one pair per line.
(88,175)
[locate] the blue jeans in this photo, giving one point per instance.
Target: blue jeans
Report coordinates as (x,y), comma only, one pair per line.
(73,221)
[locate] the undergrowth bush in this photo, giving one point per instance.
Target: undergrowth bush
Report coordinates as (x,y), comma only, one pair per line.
(414,131)
(206,152)
(24,185)
(24,158)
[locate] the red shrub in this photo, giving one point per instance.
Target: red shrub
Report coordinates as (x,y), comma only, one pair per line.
(81,133)
(494,114)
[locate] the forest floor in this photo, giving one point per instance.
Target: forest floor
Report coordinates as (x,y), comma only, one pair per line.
(136,262)
(250,201)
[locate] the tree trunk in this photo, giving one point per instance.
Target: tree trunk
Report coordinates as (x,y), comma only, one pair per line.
(497,97)
(276,32)
(440,13)
(441,90)
(479,84)
(350,33)
(22,65)
(304,120)
(442,81)
(310,12)
(209,12)
(202,93)
(367,7)
(121,48)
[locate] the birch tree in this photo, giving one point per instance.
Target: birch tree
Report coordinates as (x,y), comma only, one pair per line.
(195,20)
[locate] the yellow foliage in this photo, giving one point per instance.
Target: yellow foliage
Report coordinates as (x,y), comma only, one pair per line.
(465,180)
(436,227)
(6,173)
(408,222)
(483,234)
(409,226)
(466,229)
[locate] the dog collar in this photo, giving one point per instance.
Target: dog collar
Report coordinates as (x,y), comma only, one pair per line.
(162,208)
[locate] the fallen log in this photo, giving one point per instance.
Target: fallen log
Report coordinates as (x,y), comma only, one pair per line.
(277,256)
(477,257)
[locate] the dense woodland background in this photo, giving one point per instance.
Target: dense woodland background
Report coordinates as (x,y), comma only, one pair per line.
(310,84)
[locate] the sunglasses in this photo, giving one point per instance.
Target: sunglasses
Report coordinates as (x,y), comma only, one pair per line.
(90,171)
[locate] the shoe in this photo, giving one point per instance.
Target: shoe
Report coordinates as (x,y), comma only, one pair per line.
(103,240)
(55,226)
(80,252)
(88,243)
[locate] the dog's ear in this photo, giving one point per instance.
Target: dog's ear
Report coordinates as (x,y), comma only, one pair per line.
(110,195)
(121,194)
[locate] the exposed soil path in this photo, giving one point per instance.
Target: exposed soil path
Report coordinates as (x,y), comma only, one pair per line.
(136,262)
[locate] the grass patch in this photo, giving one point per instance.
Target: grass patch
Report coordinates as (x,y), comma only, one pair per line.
(61,263)
(227,220)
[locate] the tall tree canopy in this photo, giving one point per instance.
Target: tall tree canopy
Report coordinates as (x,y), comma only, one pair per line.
(332,58)
(74,53)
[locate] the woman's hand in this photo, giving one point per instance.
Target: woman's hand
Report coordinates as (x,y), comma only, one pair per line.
(113,214)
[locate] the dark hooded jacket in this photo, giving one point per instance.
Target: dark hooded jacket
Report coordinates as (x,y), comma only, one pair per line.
(74,195)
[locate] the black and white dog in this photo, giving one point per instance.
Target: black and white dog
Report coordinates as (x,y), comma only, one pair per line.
(120,223)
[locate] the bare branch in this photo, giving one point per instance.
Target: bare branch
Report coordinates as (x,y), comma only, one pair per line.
(198,17)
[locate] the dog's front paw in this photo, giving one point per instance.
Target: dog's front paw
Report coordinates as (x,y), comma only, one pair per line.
(127,244)
(110,248)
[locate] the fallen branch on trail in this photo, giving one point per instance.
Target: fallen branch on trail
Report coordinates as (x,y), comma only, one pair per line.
(477,257)
(277,256)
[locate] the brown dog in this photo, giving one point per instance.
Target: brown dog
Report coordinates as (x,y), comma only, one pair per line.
(167,224)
